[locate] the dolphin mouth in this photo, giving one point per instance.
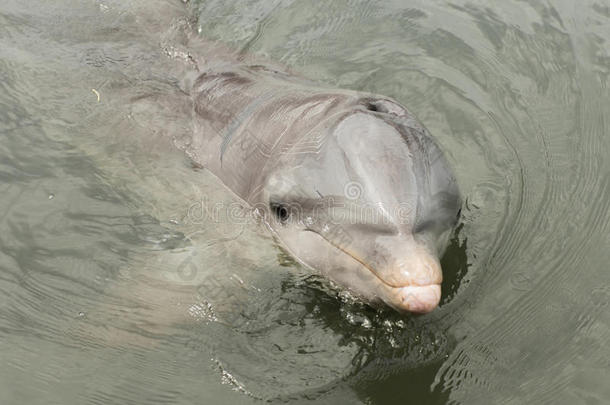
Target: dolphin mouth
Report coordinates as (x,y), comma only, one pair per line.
(413,298)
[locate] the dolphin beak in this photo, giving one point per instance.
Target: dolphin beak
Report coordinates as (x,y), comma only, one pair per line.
(412,284)
(414,298)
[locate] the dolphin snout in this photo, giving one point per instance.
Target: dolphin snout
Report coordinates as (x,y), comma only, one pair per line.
(418,299)
(414,281)
(417,268)
(399,263)
(408,274)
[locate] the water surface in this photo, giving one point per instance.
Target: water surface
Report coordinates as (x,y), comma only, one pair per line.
(117,286)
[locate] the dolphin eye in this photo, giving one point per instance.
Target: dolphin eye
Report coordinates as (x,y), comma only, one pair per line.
(383,106)
(280,211)
(372,107)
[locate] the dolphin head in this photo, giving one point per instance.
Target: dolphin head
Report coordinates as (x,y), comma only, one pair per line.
(370,205)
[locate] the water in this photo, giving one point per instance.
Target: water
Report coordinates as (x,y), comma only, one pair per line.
(116,287)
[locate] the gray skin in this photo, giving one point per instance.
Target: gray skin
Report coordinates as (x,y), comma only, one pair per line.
(349,183)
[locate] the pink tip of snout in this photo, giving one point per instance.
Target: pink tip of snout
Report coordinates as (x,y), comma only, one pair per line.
(418,299)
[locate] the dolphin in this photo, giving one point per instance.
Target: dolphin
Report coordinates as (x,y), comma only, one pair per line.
(349,183)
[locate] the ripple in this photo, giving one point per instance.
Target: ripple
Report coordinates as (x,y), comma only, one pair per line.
(97,307)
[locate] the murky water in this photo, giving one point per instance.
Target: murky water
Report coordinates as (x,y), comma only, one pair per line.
(117,286)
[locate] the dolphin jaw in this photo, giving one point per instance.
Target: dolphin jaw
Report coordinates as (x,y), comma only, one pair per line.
(405,292)
(414,298)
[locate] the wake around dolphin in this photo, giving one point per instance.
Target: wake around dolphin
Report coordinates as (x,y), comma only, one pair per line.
(349,183)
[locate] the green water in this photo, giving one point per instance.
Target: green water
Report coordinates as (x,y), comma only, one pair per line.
(117,288)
